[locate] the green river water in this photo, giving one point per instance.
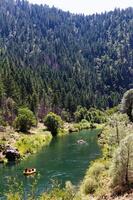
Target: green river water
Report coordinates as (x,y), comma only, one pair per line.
(64,159)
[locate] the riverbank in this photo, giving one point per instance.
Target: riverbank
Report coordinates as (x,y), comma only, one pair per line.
(83,125)
(100,182)
(31,142)
(26,143)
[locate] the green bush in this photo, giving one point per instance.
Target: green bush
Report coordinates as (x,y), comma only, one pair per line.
(111,111)
(89,186)
(92,177)
(92,115)
(96,169)
(122,163)
(24,120)
(96,116)
(84,124)
(80,113)
(53,123)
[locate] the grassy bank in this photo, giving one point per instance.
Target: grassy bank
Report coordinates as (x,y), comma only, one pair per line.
(33,142)
(27,143)
(76,127)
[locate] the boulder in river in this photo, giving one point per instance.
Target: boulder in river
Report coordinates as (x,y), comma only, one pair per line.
(12,154)
(81,141)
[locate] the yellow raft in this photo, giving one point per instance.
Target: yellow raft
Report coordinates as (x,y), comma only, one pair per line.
(29,171)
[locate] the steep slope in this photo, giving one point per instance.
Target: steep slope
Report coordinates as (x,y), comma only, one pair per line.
(63,60)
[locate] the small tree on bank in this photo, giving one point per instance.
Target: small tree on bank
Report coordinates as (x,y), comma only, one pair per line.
(127,104)
(25,120)
(122,166)
(53,123)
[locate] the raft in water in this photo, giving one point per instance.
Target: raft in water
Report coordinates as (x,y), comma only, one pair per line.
(29,171)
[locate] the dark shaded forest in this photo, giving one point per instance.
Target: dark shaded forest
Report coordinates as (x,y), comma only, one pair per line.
(52,60)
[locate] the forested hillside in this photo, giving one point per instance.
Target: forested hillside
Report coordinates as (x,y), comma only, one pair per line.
(54,60)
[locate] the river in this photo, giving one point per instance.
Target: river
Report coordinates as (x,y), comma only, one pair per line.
(64,159)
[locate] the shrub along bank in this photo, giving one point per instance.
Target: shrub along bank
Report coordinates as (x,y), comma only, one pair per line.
(113,173)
